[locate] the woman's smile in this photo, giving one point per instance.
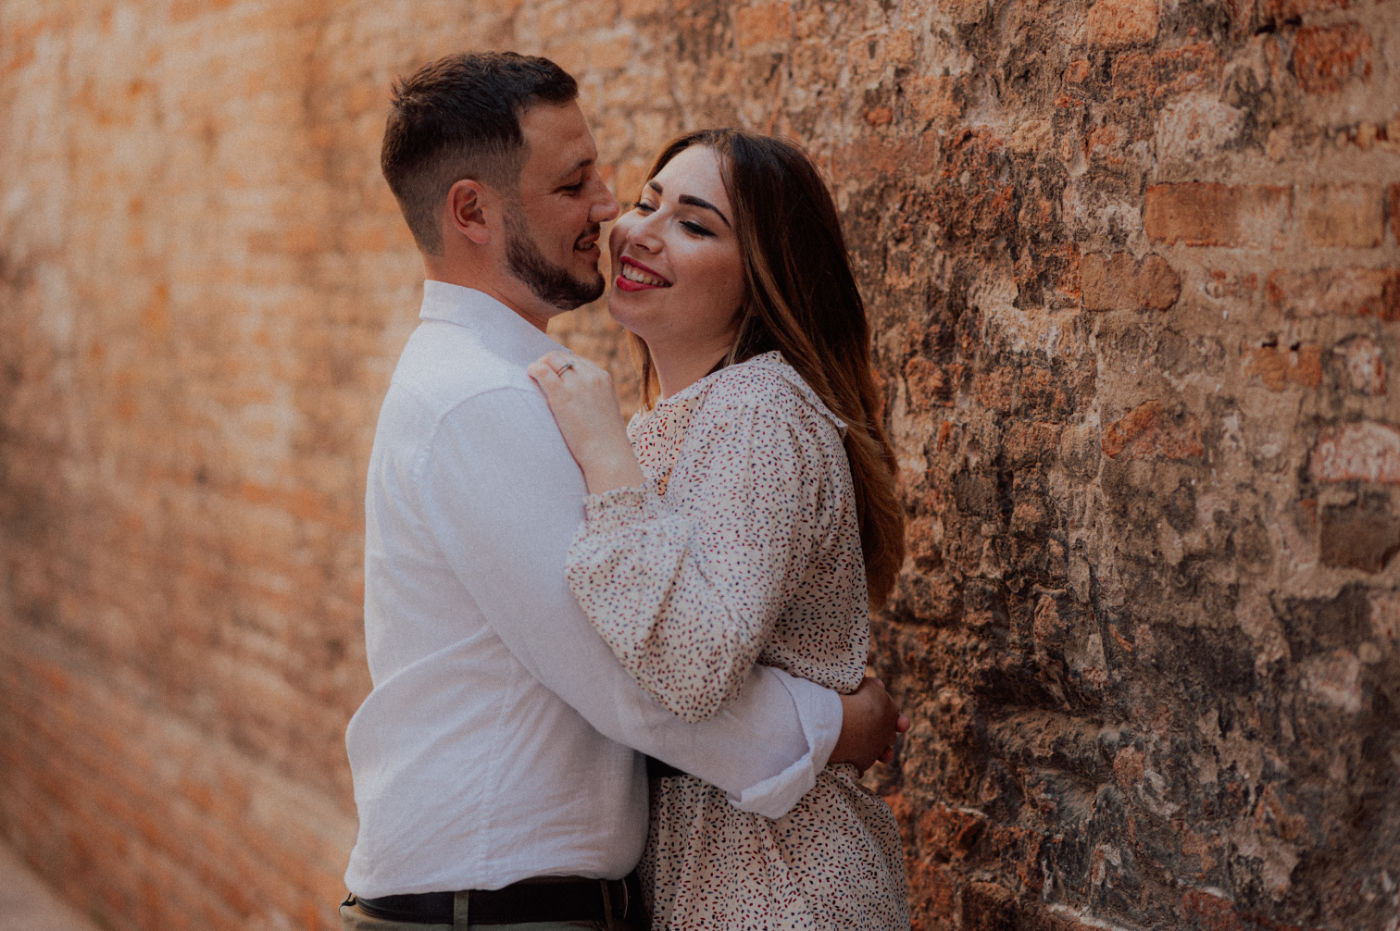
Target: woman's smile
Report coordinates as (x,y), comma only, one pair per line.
(679,277)
(633,276)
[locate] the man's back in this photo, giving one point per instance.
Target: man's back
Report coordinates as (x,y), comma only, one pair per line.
(469,771)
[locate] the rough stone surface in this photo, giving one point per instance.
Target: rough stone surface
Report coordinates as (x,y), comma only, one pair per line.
(1134,269)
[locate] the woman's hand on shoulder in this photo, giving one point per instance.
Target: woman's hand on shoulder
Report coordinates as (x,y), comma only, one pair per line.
(580,395)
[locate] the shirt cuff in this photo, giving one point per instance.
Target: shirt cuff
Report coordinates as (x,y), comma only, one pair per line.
(819,711)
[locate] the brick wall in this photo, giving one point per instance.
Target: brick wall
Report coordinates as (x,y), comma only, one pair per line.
(1135,268)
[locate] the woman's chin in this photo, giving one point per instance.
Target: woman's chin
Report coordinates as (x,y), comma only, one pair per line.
(622,315)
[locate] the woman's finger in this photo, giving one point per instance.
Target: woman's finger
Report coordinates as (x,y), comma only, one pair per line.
(562,362)
(542,372)
(553,366)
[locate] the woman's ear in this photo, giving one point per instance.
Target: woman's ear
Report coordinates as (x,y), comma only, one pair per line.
(467,210)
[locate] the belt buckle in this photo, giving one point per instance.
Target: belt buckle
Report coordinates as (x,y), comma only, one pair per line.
(626,904)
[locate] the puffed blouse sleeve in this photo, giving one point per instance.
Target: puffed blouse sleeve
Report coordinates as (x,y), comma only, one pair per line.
(685,588)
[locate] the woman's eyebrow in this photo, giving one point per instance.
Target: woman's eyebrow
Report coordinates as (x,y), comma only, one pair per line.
(693,201)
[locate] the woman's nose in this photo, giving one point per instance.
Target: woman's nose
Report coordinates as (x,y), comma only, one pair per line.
(644,233)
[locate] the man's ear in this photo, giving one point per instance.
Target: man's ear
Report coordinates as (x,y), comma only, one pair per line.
(467,204)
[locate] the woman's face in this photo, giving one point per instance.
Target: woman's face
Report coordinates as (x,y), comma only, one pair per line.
(679,280)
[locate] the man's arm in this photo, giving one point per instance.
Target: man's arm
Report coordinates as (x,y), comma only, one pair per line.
(503,498)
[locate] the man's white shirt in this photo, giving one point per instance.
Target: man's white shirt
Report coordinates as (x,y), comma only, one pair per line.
(497,742)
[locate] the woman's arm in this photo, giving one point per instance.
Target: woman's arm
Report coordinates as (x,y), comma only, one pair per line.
(685,593)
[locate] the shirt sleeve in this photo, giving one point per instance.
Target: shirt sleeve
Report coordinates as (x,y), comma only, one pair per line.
(502,498)
(685,589)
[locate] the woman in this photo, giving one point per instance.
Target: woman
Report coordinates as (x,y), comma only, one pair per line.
(756,520)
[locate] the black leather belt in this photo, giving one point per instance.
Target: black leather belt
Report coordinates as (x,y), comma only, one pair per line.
(659,770)
(528,900)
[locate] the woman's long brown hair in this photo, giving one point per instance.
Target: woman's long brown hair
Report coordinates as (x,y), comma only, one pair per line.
(802,299)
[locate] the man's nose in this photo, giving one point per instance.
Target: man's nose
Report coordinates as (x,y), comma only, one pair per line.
(605,206)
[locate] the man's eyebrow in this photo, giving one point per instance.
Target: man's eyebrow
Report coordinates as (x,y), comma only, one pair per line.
(582,165)
(693,201)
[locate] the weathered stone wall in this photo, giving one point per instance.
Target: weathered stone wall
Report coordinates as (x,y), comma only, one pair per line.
(1135,268)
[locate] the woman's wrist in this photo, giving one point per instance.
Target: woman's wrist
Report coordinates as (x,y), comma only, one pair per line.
(614,471)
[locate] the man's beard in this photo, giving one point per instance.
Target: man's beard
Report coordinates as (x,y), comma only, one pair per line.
(550,283)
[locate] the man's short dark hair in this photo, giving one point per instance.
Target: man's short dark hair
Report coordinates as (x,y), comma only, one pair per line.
(459,117)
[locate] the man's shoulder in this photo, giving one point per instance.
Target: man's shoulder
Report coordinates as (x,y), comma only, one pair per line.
(443,366)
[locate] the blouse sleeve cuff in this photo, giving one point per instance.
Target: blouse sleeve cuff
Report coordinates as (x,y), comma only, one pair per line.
(614,509)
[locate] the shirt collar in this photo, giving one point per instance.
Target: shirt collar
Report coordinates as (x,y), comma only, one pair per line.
(496,324)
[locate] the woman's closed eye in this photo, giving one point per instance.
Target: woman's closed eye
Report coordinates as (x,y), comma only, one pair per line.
(692,226)
(696,228)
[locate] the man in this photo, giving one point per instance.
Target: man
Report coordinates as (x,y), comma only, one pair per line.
(496,762)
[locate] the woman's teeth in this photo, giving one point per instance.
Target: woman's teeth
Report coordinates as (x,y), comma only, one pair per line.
(633,273)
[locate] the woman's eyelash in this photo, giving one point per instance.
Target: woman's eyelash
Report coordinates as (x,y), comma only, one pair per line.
(691,225)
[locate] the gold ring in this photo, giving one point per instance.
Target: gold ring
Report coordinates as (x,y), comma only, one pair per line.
(563,368)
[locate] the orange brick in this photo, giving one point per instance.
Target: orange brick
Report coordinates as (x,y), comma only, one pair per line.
(1345,292)
(1277,368)
(1217,214)
(1365,451)
(1327,58)
(1362,365)
(1148,431)
(1349,215)
(1119,23)
(1161,74)
(1223,285)
(1120,282)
